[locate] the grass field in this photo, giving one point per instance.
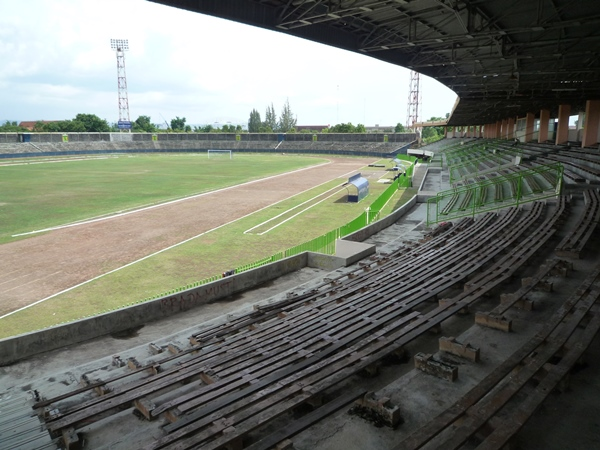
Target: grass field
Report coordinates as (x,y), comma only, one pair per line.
(42,195)
(205,256)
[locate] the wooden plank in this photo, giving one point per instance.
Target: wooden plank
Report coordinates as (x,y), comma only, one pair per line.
(303,423)
(420,325)
(145,390)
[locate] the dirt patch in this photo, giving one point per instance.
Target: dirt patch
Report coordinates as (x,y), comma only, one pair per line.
(36,268)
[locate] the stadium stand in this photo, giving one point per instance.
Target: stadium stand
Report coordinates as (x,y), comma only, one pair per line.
(243,381)
(517,283)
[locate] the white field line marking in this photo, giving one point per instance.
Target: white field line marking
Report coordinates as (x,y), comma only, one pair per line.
(13,279)
(98,219)
(132,263)
(291,209)
(11,272)
(299,212)
(32,281)
(341,176)
(389,199)
(51,161)
(153,254)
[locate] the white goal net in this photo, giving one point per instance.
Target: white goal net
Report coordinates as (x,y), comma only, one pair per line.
(220,154)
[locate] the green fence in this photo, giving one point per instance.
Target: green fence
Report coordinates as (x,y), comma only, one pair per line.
(495,193)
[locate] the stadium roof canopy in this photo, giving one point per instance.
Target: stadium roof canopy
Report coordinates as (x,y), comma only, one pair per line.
(503,58)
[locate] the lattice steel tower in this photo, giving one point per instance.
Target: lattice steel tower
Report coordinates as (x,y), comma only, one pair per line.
(414,101)
(121,46)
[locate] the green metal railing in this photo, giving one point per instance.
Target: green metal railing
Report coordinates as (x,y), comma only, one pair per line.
(476,166)
(495,193)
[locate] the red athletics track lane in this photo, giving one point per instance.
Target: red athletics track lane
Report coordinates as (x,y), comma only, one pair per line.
(40,266)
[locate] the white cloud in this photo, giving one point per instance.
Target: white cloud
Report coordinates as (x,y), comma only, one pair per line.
(57,62)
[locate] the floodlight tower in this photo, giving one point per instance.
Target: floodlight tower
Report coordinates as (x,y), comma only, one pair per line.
(414,101)
(121,46)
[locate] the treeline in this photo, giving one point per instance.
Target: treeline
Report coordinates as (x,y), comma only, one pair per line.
(286,123)
(81,123)
(90,123)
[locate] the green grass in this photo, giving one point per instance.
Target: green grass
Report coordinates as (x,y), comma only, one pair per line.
(39,196)
(225,248)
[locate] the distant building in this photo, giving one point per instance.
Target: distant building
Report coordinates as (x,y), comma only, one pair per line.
(300,128)
(31,124)
(381,129)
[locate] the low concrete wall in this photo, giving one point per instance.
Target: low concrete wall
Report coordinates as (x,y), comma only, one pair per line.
(23,346)
(376,227)
(352,251)
(325,262)
(231,137)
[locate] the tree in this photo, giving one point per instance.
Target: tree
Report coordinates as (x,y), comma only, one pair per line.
(254,122)
(429,132)
(143,125)
(178,123)
(270,122)
(11,127)
(287,121)
(399,128)
(203,129)
(63,126)
(360,128)
(343,128)
(91,123)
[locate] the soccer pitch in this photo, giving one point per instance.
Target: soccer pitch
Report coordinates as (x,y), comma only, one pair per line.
(170,177)
(40,193)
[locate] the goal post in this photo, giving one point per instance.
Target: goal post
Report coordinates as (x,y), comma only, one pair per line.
(220,153)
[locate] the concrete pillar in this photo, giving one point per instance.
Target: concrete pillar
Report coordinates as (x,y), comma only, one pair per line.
(562,130)
(592,120)
(510,132)
(579,126)
(529,122)
(544,120)
(453,132)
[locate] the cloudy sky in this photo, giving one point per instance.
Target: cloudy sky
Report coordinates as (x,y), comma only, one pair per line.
(56,62)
